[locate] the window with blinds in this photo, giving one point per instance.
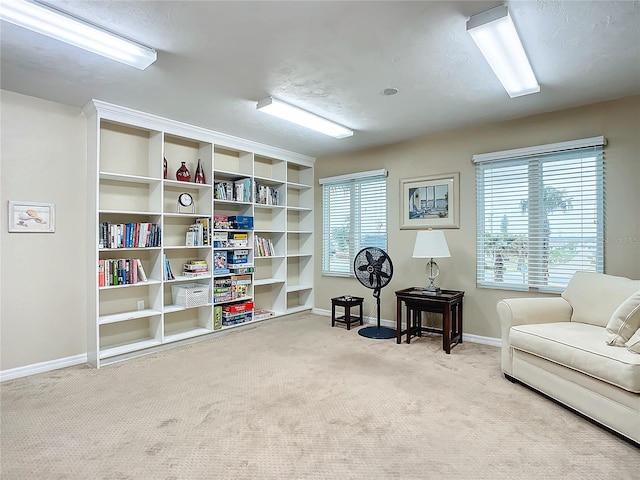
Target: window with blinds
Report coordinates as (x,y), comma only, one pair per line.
(540,215)
(354,216)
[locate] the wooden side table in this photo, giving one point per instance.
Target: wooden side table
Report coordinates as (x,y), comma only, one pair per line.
(347,303)
(417,300)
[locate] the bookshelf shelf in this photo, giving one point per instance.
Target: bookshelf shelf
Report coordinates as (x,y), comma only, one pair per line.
(187,333)
(172,308)
(128,348)
(132,285)
(267,281)
(127,150)
(120,177)
(125,316)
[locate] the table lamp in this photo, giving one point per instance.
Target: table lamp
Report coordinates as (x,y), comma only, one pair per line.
(431,244)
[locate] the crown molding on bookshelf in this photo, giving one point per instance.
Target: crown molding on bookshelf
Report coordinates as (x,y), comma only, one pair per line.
(117,113)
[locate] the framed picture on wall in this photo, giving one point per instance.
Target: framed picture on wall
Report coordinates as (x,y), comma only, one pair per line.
(430,202)
(31,217)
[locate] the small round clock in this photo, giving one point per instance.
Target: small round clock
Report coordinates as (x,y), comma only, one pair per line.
(185,199)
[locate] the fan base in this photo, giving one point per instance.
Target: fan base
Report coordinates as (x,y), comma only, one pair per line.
(377,332)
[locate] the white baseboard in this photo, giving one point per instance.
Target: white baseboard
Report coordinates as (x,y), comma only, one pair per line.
(494,342)
(27,370)
(466,337)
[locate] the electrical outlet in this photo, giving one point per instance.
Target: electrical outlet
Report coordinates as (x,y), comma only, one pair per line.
(140,304)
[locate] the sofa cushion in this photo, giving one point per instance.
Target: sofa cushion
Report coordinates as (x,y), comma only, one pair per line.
(579,346)
(595,296)
(634,342)
(625,321)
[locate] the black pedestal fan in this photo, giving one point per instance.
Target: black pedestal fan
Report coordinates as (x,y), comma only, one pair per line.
(373,269)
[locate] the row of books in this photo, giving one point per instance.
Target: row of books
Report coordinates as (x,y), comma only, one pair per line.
(120,271)
(239,190)
(129,235)
(199,234)
(266,195)
(203,226)
(263,247)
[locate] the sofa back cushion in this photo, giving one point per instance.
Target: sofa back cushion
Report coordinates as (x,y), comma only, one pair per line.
(595,296)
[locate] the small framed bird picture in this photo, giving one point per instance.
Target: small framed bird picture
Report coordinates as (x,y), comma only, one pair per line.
(31,217)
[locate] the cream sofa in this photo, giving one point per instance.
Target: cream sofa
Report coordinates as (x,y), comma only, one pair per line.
(558,346)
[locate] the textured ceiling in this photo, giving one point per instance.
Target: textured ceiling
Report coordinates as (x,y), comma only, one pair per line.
(217,59)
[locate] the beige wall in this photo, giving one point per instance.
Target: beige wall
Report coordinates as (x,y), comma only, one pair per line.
(43,158)
(618,121)
(42,276)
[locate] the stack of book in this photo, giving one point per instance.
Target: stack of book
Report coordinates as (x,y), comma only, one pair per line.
(196,268)
(235,257)
(240,285)
(220,239)
(240,240)
(221,222)
(222,290)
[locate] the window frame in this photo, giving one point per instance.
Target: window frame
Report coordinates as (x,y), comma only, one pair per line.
(353,182)
(535,159)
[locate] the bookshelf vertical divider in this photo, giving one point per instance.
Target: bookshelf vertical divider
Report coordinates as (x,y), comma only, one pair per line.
(139,299)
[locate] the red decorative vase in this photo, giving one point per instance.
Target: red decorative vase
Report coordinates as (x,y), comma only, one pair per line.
(183,174)
(200,174)
(165,167)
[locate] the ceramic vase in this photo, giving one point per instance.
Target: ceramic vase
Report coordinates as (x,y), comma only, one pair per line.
(165,168)
(200,174)
(183,174)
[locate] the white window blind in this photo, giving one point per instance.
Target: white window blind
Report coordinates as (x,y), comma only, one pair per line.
(354,216)
(540,215)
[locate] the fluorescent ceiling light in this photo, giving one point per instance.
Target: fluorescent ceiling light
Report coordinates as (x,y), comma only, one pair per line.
(53,23)
(496,36)
(293,114)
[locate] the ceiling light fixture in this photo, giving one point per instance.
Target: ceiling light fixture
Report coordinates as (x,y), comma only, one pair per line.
(293,114)
(53,23)
(497,38)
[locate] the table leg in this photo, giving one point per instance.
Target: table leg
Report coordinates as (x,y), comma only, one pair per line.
(409,323)
(347,316)
(361,322)
(333,314)
(460,321)
(446,330)
(398,320)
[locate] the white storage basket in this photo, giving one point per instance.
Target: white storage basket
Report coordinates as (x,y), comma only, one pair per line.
(190,294)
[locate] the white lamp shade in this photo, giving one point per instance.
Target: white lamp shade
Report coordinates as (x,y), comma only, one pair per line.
(431,244)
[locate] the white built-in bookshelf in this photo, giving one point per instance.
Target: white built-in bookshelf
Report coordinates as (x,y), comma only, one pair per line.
(137,221)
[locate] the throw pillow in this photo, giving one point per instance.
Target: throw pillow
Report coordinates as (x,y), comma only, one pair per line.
(634,342)
(624,321)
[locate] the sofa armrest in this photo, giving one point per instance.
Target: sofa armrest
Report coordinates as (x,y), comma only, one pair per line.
(522,311)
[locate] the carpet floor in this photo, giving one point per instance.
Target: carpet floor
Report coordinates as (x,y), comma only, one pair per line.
(293,398)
